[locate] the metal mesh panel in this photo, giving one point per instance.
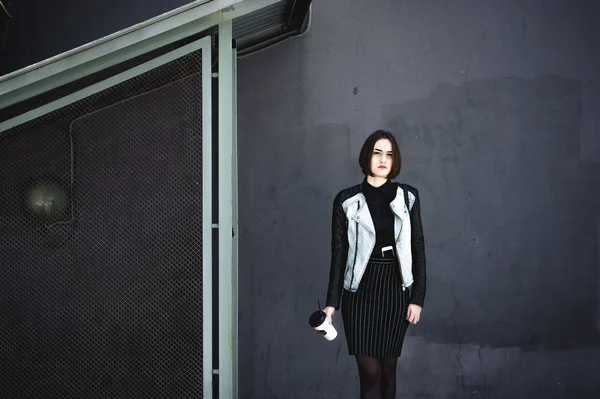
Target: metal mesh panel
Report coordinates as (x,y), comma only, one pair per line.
(102,297)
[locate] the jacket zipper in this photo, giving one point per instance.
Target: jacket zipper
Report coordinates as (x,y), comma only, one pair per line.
(400,264)
(355,248)
(401,276)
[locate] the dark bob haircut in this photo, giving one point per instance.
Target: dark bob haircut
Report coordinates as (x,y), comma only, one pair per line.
(366,153)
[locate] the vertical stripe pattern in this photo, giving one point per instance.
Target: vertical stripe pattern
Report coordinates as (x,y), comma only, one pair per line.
(375,315)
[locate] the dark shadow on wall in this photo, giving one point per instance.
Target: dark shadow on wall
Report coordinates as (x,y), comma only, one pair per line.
(510,212)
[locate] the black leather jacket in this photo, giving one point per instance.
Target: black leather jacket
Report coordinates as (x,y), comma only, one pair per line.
(339,247)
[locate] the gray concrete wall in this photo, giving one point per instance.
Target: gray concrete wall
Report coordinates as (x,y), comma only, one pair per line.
(495,108)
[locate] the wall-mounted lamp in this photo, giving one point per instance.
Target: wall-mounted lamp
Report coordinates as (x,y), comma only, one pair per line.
(46,199)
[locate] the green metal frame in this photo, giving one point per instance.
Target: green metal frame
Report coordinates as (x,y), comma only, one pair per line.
(227,268)
(205,46)
(190,19)
(235,221)
(193,18)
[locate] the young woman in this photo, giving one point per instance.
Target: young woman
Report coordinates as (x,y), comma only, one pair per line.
(377,265)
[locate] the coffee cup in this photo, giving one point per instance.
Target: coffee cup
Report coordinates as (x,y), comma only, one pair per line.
(318,321)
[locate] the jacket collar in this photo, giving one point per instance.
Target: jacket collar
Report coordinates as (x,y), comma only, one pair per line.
(397,205)
(388,189)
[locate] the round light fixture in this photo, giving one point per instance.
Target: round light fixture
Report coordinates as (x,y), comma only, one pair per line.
(46,199)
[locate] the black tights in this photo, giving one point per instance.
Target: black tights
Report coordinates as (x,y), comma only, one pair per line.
(377,377)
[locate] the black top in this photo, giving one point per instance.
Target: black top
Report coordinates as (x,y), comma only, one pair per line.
(378,201)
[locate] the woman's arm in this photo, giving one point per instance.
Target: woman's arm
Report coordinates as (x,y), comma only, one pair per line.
(339,253)
(418,253)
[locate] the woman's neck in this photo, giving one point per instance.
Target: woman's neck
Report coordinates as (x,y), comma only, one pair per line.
(376,181)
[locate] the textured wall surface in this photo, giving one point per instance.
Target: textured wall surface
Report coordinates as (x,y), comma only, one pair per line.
(494,105)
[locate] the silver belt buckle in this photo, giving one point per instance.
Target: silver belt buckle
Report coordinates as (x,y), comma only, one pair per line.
(386,249)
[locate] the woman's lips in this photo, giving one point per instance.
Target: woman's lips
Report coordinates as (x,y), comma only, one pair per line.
(382,167)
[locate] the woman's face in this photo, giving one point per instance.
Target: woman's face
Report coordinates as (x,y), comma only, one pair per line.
(381,162)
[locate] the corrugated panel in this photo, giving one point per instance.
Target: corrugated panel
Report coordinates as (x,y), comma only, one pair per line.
(265,18)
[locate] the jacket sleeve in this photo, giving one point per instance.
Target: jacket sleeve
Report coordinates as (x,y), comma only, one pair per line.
(339,253)
(418,253)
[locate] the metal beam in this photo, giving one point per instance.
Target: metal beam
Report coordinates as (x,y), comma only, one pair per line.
(225,165)
(121,46)
(102,85)
(207,249)
(235,222)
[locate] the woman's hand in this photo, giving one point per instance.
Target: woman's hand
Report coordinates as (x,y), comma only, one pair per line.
(329,311)
(414,313)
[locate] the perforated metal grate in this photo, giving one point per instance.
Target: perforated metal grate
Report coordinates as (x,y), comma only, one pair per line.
(102,296)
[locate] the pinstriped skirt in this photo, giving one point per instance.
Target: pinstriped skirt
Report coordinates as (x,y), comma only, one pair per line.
(375,315)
